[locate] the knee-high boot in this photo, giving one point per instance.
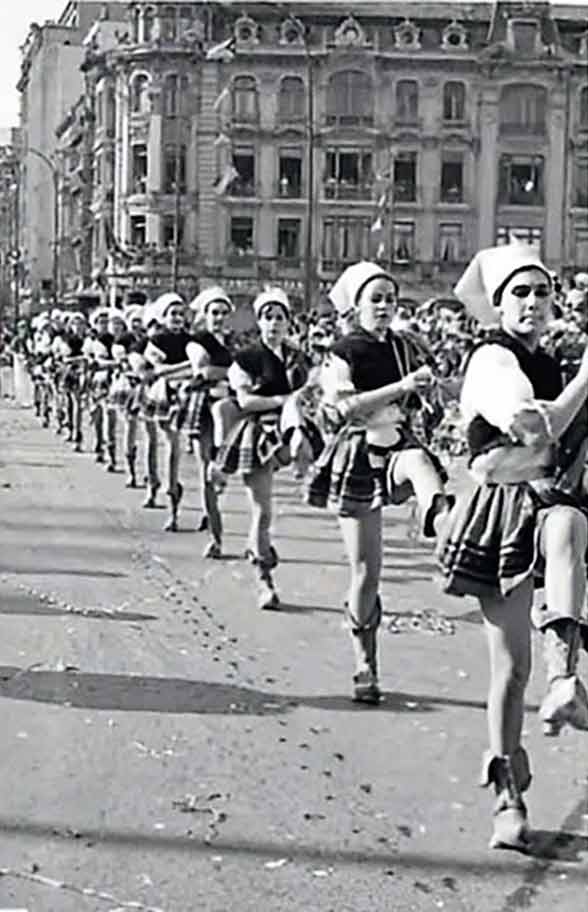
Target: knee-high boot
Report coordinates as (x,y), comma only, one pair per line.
(511,776)
(131,461)
(174,504)
(111,467)
(365,644)
(267,597)
(566,700)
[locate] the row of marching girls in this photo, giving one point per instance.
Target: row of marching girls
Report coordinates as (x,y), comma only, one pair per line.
(522,523)
(238,407)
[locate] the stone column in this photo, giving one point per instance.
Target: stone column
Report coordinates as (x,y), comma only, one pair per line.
(154,162)
(554,177)
(486,178)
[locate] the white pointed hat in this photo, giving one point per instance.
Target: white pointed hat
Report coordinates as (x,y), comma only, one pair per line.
(345,293)
(208,296)
(488,272)
(273,295)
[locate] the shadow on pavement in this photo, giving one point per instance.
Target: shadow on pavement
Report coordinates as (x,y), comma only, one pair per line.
(505,864)
(39,570)
(133,693)
(558,845)
(28,605)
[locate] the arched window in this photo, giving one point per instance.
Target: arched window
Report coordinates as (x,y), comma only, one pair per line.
(245,103)
(350,98)
(170,95)
(583,108)
(136,21)
(140,94)
(148,25)
(454,101)
(523,109)
(407,100)
(169,30)
(292,98)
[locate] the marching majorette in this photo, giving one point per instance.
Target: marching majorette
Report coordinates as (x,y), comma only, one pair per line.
(125,389)
(210,360)
(70,353)
(369,381)
(523,523)
(42,340)
(263,378)
(166,352)
(144,369)
(99,353)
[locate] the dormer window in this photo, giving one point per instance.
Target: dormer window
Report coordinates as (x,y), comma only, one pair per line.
(350,34)
(524,35)
(246,31)
(455,37)
(407,36)
(292,31)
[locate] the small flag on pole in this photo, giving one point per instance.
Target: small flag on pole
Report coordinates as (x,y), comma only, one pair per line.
(225,180)
(223,51)
(224,95)
(222,140)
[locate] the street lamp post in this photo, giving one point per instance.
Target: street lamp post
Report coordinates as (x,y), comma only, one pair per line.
(55,177)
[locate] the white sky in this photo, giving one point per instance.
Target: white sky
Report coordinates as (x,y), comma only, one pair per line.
(15,18)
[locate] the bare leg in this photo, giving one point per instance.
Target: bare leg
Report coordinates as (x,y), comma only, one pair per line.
(174,489)
(259,487)
(416,467)
(362,537)
(506,765)
(211,512)
(153,482)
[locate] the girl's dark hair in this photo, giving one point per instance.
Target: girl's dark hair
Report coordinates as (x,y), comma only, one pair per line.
(497,296)
(379,275)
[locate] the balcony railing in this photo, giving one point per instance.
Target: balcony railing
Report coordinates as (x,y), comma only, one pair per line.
(289,262)
(521,198)
(343,190)
(241,259)
(241,188)
(451,195)
(288,190)
(349,120)
(404,193)
(522,129)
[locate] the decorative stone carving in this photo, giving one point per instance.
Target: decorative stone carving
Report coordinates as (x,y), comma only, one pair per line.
(246,32)
(455,37)
(407,36)
(292,32)
(350,34)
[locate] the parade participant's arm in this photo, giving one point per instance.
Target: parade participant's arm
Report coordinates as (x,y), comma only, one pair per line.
(340,392)
(496,388)
(157,358)
(249,401)
(202,369)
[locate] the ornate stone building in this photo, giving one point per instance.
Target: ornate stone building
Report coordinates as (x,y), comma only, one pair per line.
(414,132)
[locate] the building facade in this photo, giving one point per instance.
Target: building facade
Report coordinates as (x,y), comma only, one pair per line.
(9,213)
(253,142)
(50,83)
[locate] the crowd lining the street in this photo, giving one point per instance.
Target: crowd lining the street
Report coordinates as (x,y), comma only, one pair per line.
(368,403)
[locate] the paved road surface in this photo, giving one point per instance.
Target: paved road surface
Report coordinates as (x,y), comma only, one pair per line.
(170,747)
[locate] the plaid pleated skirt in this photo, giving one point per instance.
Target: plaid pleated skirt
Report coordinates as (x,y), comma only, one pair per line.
(125,394)
(345,480)
(255,441)
(194,416)
(99,385)
(162,403)
(490,543)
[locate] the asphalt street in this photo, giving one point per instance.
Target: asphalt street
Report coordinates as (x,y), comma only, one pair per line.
(167,746)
